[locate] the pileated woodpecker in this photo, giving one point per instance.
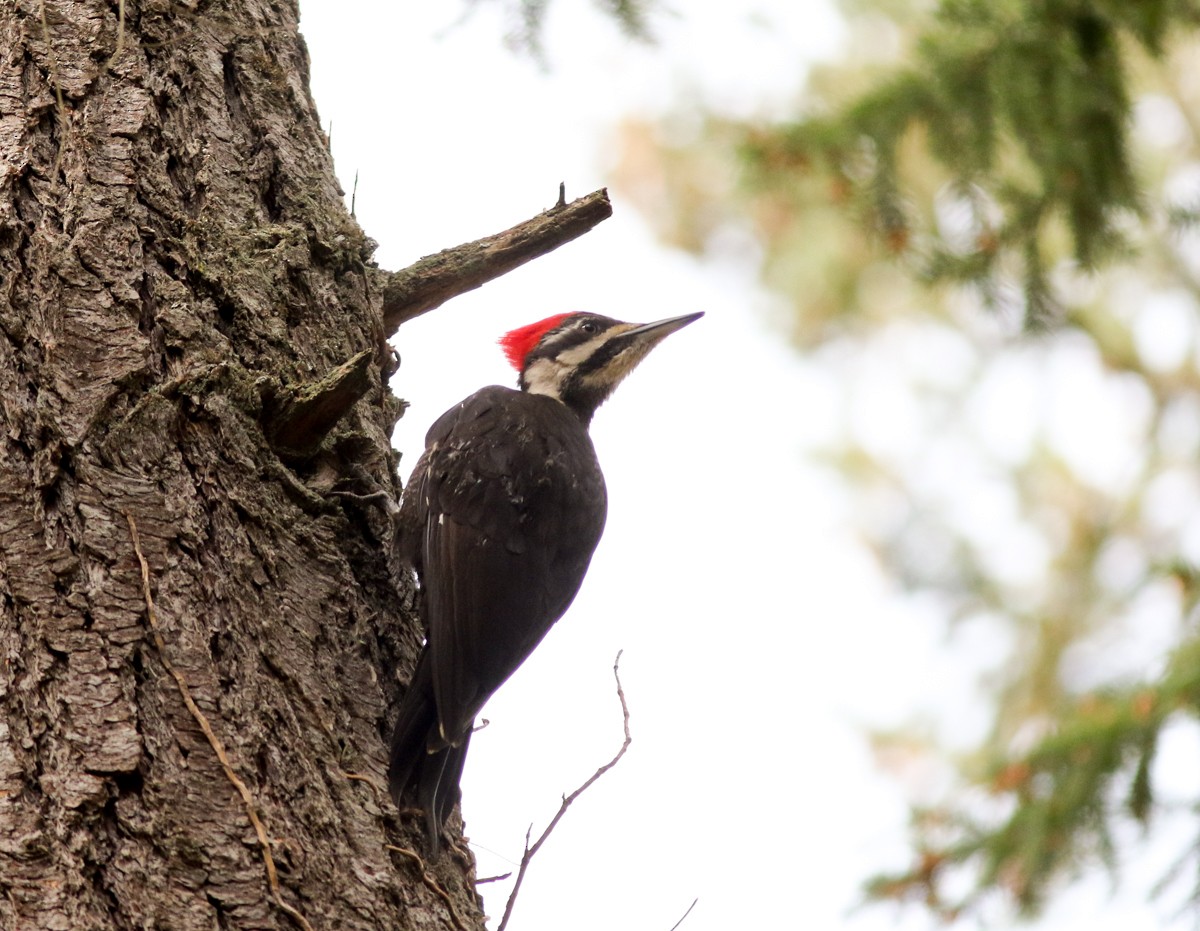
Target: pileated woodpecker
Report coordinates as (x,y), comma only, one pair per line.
(499,520)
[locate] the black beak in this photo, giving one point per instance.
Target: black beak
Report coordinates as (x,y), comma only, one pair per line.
(660,328)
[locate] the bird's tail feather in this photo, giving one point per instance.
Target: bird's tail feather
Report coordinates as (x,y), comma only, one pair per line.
(416,775)
(437,789)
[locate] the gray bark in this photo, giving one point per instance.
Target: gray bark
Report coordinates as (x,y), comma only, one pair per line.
(177,273)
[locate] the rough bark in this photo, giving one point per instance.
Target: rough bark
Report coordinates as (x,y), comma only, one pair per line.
(184,311)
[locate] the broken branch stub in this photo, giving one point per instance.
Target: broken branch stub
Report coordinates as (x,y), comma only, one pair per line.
(301,416)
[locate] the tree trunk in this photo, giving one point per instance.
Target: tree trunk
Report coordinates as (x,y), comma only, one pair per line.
(193,369)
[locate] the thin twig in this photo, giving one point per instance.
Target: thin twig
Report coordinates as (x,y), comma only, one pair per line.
(435,279)
(213,740)
(431,882)
(359,777)
(383,498)
(493,879)
(568,799)
(685,914)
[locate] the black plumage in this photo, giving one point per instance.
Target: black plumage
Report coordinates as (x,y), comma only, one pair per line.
(500,519)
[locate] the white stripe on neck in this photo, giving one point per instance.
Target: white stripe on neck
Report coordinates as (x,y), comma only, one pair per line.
(545,376)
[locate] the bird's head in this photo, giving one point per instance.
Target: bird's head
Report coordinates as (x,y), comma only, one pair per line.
(579,359)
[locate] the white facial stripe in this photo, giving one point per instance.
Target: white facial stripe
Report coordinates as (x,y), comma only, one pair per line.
(576,355)
(545,376)
(548,375)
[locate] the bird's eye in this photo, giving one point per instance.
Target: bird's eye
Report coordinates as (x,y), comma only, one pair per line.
(589,327)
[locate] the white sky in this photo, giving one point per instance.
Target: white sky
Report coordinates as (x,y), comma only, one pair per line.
(758,636)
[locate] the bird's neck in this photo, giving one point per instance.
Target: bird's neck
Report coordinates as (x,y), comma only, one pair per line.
(550,379)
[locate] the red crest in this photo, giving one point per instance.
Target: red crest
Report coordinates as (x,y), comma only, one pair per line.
(519,343)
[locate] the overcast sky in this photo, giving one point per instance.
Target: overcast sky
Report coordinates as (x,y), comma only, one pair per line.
(759,636)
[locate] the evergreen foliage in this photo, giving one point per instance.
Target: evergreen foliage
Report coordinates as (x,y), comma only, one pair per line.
(1025,105)
(529,19)
(996,157)
(1065,797)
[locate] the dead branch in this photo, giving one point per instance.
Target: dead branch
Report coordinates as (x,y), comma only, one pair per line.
(433,280)
(569,799)
(213,740)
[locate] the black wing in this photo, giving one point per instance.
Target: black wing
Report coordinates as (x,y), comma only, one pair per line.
(510,505)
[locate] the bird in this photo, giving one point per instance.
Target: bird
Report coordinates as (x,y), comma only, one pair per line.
(499,521)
